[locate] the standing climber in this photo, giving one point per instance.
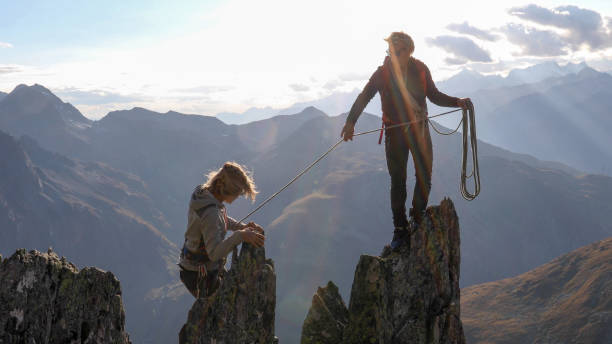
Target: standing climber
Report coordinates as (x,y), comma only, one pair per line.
(206,247)
(403,83)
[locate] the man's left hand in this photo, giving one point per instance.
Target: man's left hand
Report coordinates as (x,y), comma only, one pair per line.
(463,103)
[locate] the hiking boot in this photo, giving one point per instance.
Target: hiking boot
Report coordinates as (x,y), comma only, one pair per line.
(401,235)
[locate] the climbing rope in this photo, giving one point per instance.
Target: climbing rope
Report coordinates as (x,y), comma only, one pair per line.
(468,117)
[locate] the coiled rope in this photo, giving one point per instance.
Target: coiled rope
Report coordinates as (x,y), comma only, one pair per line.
(468,120)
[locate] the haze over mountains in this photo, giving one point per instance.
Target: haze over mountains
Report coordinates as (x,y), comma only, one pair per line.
(532,110)
(529,212)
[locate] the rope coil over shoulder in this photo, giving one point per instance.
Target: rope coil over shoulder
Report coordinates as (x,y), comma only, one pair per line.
(469,124)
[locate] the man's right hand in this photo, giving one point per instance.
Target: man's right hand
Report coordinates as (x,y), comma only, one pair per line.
(348,131)
(252,237)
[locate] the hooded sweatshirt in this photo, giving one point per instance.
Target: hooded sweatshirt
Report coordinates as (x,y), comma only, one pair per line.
(207,220)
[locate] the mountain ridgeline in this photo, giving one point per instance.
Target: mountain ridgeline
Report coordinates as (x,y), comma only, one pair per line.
(114,193)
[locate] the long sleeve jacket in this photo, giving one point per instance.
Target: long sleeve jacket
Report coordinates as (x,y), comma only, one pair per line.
(208,223)
(417,81)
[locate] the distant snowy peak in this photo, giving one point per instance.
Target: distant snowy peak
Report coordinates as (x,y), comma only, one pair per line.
(469,80)
(543,71)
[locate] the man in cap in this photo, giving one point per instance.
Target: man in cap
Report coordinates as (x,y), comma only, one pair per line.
(403,83)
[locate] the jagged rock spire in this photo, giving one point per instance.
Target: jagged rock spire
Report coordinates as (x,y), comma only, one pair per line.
(409,296)
(242,309)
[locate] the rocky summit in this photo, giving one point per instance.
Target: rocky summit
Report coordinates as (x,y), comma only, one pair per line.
(45,299)
(407,296)
(242,309)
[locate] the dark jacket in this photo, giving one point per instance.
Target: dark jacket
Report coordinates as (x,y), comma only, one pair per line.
(418,82)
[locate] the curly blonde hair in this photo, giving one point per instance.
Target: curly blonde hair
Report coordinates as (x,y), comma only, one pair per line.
(231,180)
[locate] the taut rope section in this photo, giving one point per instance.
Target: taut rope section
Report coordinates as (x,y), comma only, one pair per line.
(468,117)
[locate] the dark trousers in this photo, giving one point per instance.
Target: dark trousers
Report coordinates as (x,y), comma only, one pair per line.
(199,285)
(399,142)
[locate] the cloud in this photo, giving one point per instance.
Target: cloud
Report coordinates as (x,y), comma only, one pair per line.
(94,97)
(462,48)
(581,26)
(467,29)
(333,84)
(299,87)
(353,76)
(535,42)
(5,45)
(205,89)
(455,61)
(7,69)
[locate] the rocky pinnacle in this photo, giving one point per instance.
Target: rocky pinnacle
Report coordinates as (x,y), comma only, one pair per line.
(242,309)
(408,296)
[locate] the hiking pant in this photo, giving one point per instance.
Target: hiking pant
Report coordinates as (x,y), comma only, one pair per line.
(198,285)
(399,142)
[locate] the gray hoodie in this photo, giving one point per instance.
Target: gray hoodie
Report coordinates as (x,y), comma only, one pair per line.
(208,223)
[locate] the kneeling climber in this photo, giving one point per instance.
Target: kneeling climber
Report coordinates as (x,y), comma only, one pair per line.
(205,250)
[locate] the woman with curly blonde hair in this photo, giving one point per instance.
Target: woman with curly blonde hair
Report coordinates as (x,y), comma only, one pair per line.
(206,247)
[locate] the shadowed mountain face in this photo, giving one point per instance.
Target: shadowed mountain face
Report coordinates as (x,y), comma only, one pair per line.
(2,95)
(90,213)
(565,301)
(529,211)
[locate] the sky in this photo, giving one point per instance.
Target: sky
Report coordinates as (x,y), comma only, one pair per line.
(212,56)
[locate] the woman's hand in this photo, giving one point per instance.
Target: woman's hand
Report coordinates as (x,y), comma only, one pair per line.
(252,237)
(255,227)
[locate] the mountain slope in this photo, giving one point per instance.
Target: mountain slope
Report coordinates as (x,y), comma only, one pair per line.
(565,301)
(90,213)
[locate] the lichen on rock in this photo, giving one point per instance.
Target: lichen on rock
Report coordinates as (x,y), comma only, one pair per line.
(407,296)
(45,299)
(242,309)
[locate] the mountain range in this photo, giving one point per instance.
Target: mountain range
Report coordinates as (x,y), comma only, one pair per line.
(531,110)
(464,84)
(530,206)
(88,212)
(567,300)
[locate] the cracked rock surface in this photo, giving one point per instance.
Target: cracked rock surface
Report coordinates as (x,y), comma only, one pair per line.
(45,299)
(408,296)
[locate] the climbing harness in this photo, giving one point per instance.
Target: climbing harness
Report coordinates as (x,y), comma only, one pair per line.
(468,120)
